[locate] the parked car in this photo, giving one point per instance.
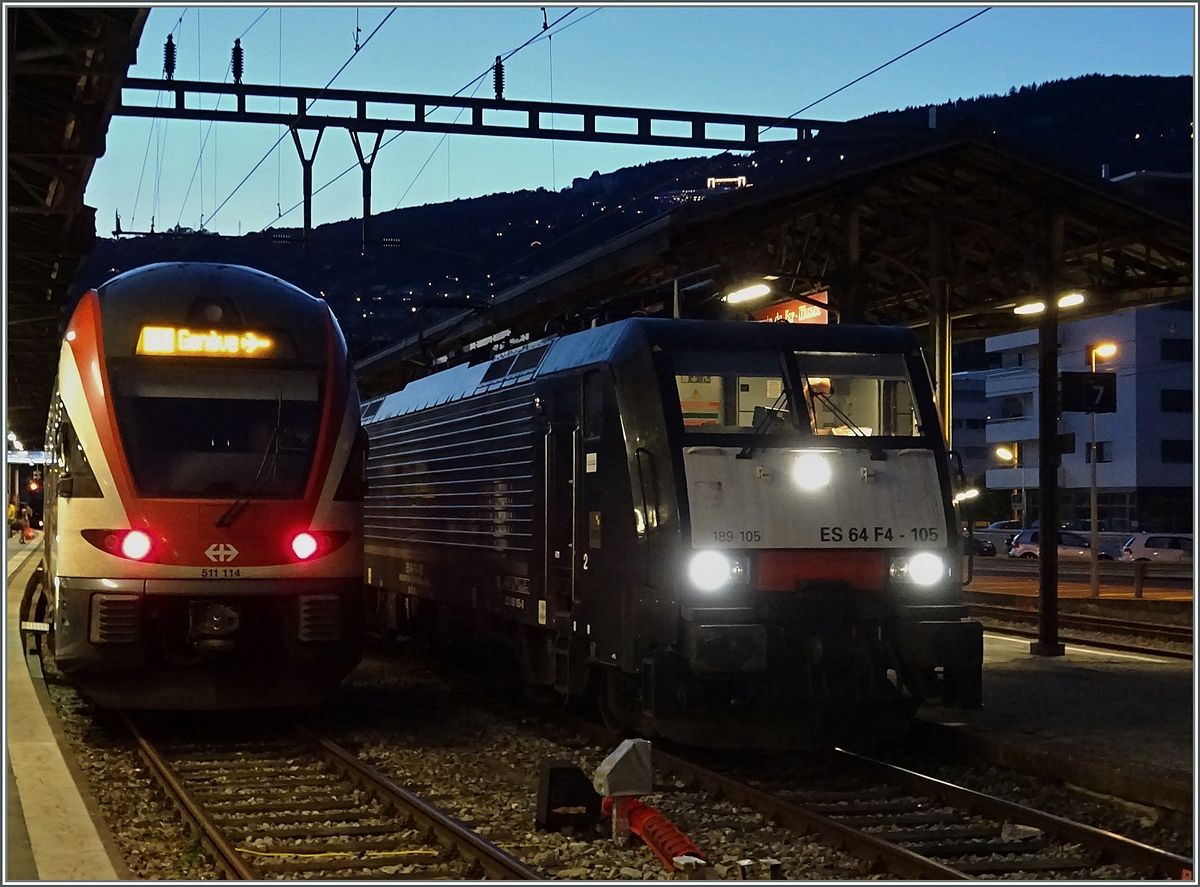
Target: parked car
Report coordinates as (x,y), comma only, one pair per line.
(1162,548)
(1005,525)
(1070,545)
(978,546)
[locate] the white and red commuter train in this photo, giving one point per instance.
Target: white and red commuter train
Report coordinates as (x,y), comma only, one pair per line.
(204,497)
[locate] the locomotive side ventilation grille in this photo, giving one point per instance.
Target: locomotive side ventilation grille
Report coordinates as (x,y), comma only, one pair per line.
(114,619)
(459,475)
(320,617)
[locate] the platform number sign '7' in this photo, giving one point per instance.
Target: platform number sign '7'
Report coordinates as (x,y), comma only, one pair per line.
(1089,392)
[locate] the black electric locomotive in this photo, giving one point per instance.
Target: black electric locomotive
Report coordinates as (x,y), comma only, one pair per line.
(733,534)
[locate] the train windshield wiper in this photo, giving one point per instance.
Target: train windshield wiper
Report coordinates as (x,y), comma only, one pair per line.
(833,408)
(271,453)
(761,424)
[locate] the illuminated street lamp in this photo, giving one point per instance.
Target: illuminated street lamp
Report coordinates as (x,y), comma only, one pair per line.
(748,293)
(1008,455)
(1102,350)
(1070,300)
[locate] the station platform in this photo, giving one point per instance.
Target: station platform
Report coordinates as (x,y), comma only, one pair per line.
(52,833)
(1116,723)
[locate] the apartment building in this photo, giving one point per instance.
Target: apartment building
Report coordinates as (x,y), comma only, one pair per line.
(1144,451)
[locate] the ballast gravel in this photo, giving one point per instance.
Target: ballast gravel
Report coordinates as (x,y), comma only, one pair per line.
(481,767)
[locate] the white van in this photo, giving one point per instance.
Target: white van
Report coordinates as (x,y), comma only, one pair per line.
(1163,548)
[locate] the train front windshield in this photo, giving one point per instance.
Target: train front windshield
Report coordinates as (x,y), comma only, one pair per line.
(217,432)
(803,393)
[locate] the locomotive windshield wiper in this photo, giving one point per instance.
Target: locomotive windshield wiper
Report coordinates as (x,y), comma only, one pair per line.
(846,420)
(833,408)
(230,514)
(761,424)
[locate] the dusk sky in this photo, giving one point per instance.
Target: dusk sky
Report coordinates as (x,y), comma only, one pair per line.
(770,60)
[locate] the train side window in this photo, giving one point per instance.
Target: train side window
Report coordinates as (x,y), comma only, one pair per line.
(593,404)
(702,398)
(353,485)
(78,481)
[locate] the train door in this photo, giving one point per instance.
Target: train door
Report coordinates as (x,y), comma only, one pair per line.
(561,515)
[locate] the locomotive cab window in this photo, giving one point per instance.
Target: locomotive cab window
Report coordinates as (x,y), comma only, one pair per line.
(858,395)
(732,391)
(215,432)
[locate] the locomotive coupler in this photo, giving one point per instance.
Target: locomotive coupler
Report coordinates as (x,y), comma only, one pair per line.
(212,626)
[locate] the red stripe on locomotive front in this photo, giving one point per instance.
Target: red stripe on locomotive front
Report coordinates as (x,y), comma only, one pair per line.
(781,569)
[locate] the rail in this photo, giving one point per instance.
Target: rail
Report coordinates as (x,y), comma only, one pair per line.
(252,790)
(947,817)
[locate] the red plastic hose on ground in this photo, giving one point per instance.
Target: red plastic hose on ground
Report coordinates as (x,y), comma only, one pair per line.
(659,833)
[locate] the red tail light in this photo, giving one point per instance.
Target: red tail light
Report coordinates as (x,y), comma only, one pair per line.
(309,545)
(134,545)
(304,546)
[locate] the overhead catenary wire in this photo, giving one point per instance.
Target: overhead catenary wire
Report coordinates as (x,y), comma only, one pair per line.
(158,133)
(890,62)
(474,83)
(209,131)
(263,160)
(708,158)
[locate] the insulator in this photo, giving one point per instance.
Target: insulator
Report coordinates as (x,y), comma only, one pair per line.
(238,60)
(169,58)
(498,78)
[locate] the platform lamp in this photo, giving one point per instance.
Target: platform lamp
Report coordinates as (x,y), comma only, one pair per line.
(1007,454)
(1103,350)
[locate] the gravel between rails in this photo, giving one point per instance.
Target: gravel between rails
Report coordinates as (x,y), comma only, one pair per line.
(155,843)
(401,714)
(482,768)
(1136,821)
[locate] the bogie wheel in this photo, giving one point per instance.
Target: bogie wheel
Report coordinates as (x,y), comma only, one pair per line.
(37,610)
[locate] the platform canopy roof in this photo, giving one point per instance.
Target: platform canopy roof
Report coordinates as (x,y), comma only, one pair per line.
(987,225)
(64,69)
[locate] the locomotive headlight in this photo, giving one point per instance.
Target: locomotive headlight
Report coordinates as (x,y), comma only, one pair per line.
(710,570)
(923,568)
(812,471)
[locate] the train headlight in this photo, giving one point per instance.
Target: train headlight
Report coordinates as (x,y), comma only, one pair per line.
(710,570)
(812,471)
(923,568)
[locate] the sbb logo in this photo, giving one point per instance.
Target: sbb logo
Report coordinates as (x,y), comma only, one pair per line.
(220,552)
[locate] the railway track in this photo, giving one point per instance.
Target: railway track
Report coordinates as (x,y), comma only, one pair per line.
(298,806)
(914,826)
(1180,634)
